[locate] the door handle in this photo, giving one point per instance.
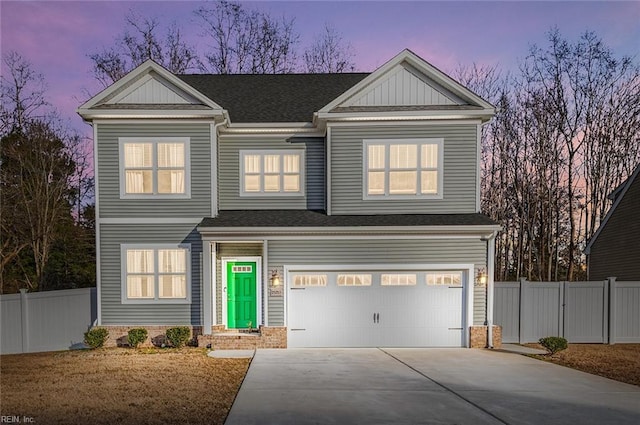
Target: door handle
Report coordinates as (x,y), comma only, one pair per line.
(377,317)
(374,318)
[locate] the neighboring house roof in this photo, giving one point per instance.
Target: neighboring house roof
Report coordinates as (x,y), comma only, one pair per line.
(617,194)
(272,98)
(307,218)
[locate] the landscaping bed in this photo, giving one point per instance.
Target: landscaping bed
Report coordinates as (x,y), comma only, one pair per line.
(620,362)
(120,385)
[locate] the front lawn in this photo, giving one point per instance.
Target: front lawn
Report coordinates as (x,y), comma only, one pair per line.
(620,362)
(120,386)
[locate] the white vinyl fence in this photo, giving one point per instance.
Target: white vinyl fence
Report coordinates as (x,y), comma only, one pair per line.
(588,312)
(45,321)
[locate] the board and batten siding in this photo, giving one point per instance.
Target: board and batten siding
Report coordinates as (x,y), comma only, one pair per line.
(371,251)
(111,206)
(112,236)
(459,170)
(229,173)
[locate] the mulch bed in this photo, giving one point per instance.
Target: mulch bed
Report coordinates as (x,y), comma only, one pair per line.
(120,386)
(620,362)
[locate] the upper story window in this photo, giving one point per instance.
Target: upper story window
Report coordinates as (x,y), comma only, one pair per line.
(402,168)
(157,167)
(155,273)
(271,172)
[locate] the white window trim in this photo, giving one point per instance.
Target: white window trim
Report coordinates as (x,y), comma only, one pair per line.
(154,141)
(389,142)
(156,299)
(281,193)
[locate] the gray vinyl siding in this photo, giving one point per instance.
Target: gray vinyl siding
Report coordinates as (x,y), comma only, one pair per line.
(346,252)
(229,173)
(232,250)
(459,172)
(615,252)
(111,206)
(112,236)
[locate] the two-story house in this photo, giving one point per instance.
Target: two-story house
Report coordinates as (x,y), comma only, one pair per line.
(326,210)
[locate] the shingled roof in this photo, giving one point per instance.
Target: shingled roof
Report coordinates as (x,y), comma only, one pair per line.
(253,98)
(308,218)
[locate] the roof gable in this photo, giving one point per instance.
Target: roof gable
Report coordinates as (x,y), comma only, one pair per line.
(148,87)
(407,82)
(618,193)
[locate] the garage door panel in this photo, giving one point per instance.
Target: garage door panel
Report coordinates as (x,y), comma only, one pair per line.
(399,314)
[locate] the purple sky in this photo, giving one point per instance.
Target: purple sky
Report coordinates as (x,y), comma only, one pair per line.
(57,36)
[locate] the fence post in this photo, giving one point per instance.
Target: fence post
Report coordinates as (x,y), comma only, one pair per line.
(562,299)
(24,318)
(612,310)
(605,312)
(521,323)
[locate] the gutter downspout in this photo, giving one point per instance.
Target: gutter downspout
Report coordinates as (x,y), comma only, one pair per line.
(491,253)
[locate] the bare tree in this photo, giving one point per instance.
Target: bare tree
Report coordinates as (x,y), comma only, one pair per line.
(329,53)
(140,41)
(245,41)
(22,93)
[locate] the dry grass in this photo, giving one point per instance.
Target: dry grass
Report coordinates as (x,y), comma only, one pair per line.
(620,362)
(107,386)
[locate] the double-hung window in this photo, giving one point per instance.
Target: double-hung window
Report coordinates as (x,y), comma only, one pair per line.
(157,167)
(402,168)
(155,273)
(271,172)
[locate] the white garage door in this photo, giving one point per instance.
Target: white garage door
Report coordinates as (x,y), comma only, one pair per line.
(375,309)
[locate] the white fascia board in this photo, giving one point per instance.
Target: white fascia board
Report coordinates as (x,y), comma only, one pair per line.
(480,231)
(93,114)
(482,114)
(288,129)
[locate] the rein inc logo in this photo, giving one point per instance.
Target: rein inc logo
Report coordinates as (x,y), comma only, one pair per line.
(15,419)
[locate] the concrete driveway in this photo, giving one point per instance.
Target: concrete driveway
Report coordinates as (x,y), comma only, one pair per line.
(425,386)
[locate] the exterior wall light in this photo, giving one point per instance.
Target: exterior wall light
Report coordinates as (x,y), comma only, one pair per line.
(275,279)
(481,278)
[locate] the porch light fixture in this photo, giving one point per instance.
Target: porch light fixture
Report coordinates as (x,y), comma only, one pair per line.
(275,278)
(481,278)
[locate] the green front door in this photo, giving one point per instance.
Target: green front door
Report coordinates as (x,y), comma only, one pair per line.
(241,294)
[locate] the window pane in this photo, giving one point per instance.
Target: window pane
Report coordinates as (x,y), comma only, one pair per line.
(172,260)
(291,163)
(354,280)
(272,163)
(139,286)
(429,156)
(310,280)
(429,181)
(403,156)
(170,154)
(272,183)
(173,286)
(139,181)
(402,182)
(376,183)
(400,279)
(252,183)
(376,156)
(446,278)
(292,183)
(138,155)
(139,261)
(252,163)
(170,181)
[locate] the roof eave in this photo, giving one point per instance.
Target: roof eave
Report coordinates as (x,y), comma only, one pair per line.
(483,114)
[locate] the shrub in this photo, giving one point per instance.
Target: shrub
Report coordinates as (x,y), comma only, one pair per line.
(553,344)
(136,336)
(96,337)
(178,336)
